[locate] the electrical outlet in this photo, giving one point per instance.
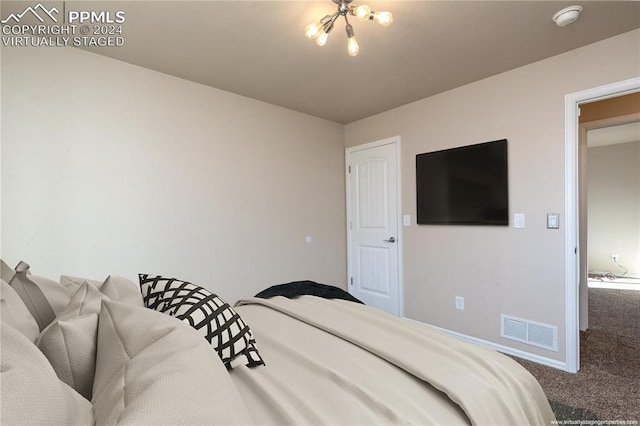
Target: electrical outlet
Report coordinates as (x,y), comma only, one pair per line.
(615,257)
(460,303)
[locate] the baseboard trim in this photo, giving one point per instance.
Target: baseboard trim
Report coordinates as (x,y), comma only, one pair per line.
(500,348)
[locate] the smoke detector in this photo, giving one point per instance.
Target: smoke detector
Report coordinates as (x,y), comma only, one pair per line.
(567,16)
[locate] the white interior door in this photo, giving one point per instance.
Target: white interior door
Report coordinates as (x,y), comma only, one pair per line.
(372,225)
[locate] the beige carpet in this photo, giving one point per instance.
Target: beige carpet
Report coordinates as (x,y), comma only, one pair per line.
(608,383)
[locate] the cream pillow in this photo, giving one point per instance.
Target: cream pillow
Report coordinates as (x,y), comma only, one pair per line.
(154,369)
(44,298)
(70,342)
(6,271)
(87,299)
(31,393)
(117,288)
(14,312)
(122,289)
(73,283)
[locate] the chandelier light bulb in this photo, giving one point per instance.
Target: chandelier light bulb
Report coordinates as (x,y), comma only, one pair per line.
(352,47)
(313,30)
(352,44)
(322,38)
(362,12)
(324,34)
(383,18)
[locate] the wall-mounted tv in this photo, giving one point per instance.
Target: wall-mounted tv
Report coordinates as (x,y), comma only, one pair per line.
(463,186)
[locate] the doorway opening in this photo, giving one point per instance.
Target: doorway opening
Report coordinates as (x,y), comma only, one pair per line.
(576,269)
(609,195)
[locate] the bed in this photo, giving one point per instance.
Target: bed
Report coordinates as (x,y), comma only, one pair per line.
(119,352)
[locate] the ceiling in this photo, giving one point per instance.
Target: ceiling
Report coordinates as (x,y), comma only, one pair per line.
(623,133)
(257,48)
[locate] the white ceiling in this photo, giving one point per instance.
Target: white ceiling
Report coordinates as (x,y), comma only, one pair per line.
(257,48)
(623,133)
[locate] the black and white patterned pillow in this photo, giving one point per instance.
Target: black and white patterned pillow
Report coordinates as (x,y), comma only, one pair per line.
(211,316)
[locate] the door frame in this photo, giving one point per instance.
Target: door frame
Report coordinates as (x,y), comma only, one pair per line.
(395,140)
(572,247)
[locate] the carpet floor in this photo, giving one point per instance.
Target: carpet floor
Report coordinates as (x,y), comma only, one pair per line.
(608,383)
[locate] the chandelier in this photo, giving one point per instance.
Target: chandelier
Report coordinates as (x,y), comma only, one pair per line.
(320,30)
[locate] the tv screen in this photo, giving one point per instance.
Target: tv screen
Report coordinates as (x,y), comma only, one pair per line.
(463,186)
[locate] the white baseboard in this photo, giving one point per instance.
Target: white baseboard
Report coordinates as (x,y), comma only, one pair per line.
(500,348)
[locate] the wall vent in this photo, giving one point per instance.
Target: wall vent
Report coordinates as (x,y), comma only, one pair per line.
(529,332)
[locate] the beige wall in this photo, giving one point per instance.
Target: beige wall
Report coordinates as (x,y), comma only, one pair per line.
(109,168)
(614,207)
(499,270)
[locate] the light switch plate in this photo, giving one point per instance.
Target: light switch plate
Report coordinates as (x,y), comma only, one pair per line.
(553,220)
(518,220)
(406,220)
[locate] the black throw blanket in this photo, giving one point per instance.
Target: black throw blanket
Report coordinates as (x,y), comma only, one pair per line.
(308,288)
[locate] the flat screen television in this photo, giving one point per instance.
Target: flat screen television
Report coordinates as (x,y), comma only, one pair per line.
(463,186)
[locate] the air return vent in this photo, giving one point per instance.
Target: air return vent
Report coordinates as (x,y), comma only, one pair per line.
(529,332)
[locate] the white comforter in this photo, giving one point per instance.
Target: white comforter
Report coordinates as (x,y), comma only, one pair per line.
(338,362)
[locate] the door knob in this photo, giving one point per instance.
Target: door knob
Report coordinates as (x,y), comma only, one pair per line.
(390,240)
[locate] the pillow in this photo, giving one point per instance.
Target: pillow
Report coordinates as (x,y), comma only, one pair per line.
(6,271)
(73,283)
(31,393)
(122,289)
(14,312)
(117,288)
(44,298)
(211,316)
(70,347)
(70,342)
(154,369)
(85,300)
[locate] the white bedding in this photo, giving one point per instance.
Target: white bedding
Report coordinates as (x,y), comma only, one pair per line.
(109,359)
(337,362)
